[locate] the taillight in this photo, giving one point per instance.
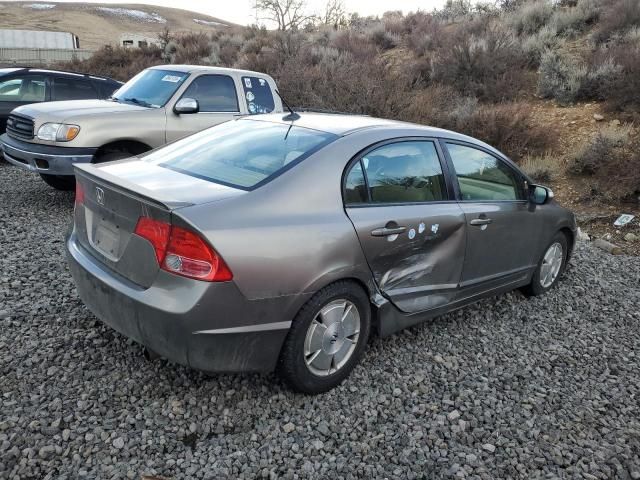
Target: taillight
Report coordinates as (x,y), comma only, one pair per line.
(79,194)
(183,252)
(156,232)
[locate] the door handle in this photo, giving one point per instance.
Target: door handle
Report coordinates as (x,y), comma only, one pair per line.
(478,222)
(385,232)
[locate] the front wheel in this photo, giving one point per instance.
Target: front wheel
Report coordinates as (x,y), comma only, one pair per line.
(550,266)
(327,338)
(60,182)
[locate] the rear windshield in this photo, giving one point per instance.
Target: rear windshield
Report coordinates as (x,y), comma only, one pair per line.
(243,154)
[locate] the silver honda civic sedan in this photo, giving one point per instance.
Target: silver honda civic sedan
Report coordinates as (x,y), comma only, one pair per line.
(284,242)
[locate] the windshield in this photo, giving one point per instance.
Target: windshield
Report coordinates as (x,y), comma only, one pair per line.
(243,154)
(150,88)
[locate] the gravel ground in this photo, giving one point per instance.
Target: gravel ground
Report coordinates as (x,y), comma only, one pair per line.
(510,388)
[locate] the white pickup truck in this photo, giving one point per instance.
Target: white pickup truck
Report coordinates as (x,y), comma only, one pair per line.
(159,105)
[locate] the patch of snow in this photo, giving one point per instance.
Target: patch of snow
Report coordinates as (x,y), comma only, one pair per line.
(207,22)
(39,6)
(133,14)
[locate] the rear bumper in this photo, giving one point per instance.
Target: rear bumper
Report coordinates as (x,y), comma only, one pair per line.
(207,326)
(46,159)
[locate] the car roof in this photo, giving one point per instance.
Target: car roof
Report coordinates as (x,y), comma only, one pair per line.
(204,68)
(6,71)
(346,124)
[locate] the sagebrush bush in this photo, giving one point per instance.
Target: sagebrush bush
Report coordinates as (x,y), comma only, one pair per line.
(507,126)
(530,17)
(575,20)
(612,160)
(617,16)
(621,91)
(567,79)
(383,39)
(535,45)
(541,168)
(491,67)
(607,144)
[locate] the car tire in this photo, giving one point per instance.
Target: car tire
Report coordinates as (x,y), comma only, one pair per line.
(550,267)
(305,371)
(64,183)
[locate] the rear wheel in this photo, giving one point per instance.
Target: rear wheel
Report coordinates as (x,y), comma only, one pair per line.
(550,266)
(327,338)
(60,182)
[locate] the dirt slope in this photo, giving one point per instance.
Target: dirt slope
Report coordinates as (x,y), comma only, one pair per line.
(99,24)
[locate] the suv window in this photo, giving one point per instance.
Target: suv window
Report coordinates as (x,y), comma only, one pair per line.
(214,93)
(403,172)
(30,88)
(71,89)
(482,176)
(258,95)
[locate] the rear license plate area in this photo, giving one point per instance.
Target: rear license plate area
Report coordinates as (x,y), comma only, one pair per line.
(106,239)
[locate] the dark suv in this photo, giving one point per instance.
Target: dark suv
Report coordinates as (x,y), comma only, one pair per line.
(21,86)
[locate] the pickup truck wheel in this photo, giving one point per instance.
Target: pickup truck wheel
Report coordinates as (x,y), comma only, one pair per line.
(111,156)
(60,182)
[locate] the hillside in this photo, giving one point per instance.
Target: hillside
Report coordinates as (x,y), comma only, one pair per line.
(555,85)
(100,24)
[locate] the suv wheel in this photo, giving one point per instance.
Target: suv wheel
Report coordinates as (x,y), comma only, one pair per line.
(111,156)
(60,182)
(327,338)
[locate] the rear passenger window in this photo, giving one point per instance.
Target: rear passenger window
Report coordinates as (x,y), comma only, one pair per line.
(30,88)
(482,176)
(258,95)
(214,93)
(403,172)
(71,89)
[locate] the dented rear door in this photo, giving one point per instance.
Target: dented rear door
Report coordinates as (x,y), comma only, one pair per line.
(411,230)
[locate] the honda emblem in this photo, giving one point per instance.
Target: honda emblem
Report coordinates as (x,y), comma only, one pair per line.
(100,196)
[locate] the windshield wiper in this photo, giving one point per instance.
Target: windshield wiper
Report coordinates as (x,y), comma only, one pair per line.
(113,99)
(137,101)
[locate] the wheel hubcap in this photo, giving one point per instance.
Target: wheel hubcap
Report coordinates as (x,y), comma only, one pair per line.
(551,264)
(332,337)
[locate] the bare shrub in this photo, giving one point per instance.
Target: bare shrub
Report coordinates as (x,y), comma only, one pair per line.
(535,45)
(530,17)
(568,79)
(490,67)
(383,39)
(541,168)
(622,91)
(507,127)
(611,159)
(356,44)
(575,20)
(116,62)
(607,144)
(618,16)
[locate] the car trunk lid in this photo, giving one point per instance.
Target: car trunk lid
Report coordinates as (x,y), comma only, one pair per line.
(115,196)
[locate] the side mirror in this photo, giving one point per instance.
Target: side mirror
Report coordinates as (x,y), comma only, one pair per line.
(539,194)
(186,105)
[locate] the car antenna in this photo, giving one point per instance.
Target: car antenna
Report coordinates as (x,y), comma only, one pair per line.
(292,115)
